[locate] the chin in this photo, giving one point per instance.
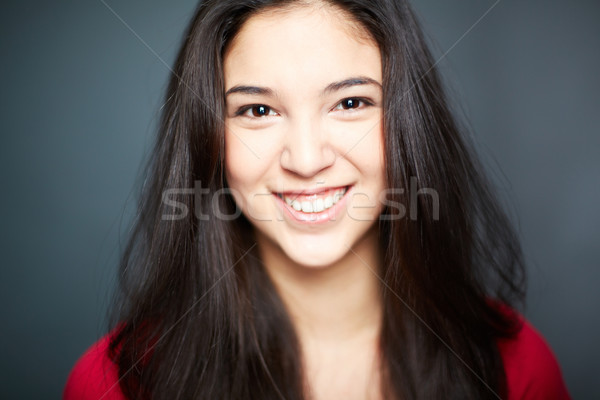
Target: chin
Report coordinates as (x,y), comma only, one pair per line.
(315,251)
(315,260)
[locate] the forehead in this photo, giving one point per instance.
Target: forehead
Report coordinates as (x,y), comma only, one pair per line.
(299,47)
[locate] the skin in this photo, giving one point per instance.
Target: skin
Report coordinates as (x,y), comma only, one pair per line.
(306,139)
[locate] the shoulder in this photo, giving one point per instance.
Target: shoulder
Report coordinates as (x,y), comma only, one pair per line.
(532,371)
(94,376)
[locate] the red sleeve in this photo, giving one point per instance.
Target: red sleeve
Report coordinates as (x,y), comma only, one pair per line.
(94,376)
(532,372)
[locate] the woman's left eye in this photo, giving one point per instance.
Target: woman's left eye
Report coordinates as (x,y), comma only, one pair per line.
(352,103)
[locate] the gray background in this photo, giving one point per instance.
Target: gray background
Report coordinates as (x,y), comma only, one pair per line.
(79,103)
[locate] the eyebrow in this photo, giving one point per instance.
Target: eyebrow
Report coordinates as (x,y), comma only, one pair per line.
(332,87)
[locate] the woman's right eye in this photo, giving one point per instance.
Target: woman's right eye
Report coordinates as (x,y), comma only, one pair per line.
(256,111)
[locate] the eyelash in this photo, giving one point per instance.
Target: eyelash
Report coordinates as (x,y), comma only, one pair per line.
(364,101)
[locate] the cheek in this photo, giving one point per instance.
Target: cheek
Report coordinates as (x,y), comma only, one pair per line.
(251,169)
(245,165)
(237,165)
(368,155)
(377,155)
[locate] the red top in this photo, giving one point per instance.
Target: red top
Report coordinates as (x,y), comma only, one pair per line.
(532,372)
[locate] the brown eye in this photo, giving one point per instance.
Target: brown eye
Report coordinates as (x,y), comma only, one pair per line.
(353,103)
(260,111)
(350,103)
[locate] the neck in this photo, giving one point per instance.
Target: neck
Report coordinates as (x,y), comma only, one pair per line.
(337,303)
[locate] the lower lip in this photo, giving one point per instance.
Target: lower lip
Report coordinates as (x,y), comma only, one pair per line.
(319,218)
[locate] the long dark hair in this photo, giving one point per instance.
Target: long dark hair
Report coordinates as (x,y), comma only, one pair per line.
(197,315)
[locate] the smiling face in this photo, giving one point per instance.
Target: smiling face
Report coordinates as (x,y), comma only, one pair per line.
(303,138)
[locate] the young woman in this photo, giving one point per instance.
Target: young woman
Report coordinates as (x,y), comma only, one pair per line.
(315,227)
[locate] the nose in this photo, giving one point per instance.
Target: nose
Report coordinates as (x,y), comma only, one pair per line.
(307,149)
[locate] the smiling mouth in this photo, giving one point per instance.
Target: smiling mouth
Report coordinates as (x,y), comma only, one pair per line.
(314,202)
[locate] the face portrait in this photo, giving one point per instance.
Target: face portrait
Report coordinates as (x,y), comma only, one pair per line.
(303,139)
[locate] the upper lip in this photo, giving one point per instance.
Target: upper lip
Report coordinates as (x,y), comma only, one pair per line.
(310,191)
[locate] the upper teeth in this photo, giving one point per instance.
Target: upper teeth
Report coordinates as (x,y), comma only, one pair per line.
(317,205)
